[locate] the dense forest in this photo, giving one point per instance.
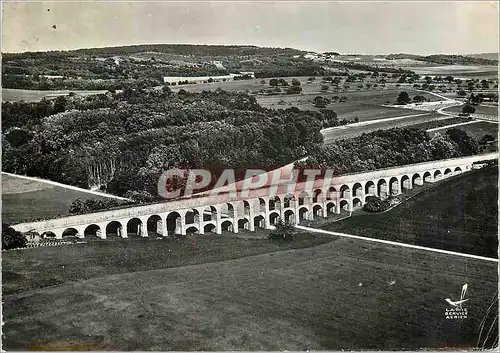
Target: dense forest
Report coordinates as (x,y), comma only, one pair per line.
(122,142)
(389,148)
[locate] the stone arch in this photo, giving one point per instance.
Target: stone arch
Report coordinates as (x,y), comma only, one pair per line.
(344,205)
(394,186)
(174,223)
(317,210)
(447,172)
(92,230)
(134,227)
(48,234)
(438,175)
(357,203)
(192,230)
(304,198)
(274,218)
(243,223)
(70,233)
(259,221)
(331,193)
(115,228)
(330,207)
(457,170)
(416,179)
(357,189)
(227,225)
(246,208)
(406,183)
(262,204)
(303,214)
(275,203)
(289,216)
(154,225)
(209,228)
(382,188)
(428,177)
(345,191)
(287,200)
(209,214)
(317,195)
(370,188)
(192,217)
(227,210)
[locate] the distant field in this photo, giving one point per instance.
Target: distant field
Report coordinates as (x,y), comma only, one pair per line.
(455,70)
(366,105)
(480,109)
(345,294)
(460,214)
(11,95)
(353,130)
(440,123)
(22,199)
(479,129)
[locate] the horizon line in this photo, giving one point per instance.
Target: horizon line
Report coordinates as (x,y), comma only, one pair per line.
(243,45)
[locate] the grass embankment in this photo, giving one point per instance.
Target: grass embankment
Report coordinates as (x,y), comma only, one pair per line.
(36,268)
(458,214)
(340,295)
(441,123)
(24,200)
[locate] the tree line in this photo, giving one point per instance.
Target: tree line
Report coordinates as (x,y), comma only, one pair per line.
(389,148)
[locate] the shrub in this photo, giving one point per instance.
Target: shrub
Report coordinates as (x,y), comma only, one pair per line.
(294,90)
(283,231)
(375,204)
(468,109)
(11,238)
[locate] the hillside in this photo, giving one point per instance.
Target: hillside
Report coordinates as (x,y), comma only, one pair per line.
(445,59)
(487,56)
(460,214)
(145,65)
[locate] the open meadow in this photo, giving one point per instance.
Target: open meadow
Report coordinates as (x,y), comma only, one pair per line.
(459,214)
(489,110)
(343,294)
(465,71)
(477,129)
(30,199)
(14,95)
(409,119)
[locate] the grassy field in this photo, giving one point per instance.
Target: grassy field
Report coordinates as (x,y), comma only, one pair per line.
(24,199)
(456,70)
(440,123)
(366,105)
(11,95)
(350,131)
(459,214)
(339,295)
(478,129)
(480,109)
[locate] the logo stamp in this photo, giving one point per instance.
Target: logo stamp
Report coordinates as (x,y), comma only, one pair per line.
(458,309)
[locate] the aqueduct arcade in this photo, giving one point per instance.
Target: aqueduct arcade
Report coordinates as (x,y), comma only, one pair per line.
(221,213)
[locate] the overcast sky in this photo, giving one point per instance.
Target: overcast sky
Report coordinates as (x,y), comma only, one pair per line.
(346,27)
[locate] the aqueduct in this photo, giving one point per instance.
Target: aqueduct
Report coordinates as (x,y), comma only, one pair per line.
(223,213)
